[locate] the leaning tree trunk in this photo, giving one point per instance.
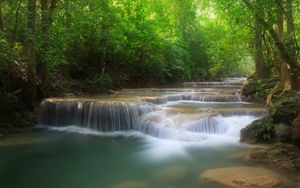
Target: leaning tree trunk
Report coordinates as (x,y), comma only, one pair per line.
(30,87)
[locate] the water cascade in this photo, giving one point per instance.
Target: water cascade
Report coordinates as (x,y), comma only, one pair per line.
(213,125)
(163,113)
(94,115)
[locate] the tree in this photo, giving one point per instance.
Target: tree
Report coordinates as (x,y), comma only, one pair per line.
(258,49)
(30,88)
(47,8)
(283,49)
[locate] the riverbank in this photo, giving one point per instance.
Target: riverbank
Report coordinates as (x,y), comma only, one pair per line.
(280,128)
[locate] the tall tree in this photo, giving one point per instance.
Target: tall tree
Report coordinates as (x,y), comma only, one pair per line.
(30,88)
(1,17)
(47,7)
(283,50)
(258,50)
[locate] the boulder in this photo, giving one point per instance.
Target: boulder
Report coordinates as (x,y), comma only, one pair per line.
(260,130)
(296,131)
(257,90)
(286,109)
(243,177)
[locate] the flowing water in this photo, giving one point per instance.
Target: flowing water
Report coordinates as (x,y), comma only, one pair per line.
(153,137)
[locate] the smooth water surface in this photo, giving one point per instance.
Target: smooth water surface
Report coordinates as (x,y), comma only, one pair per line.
(67,158)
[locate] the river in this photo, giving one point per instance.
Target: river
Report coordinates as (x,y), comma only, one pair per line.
(146,137)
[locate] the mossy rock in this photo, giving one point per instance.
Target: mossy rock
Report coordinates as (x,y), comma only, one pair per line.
(259,131)
(258,90)
(286,109)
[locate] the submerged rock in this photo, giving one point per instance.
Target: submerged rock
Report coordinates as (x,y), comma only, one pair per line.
(243,177)
(131,184)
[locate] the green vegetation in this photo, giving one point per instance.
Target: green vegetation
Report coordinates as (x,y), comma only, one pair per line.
(113,43)
(53,46)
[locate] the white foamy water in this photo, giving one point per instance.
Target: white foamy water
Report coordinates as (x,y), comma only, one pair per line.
(196,116)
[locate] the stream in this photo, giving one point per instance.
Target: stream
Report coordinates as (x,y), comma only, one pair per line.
(146,137)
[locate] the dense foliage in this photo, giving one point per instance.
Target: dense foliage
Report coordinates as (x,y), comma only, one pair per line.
(114,43)
(104,41)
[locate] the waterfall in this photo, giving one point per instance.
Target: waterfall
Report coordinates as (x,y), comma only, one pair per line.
(216,98)
(213,125)
(94,115)
(144,112)
(157,124)
(189,97)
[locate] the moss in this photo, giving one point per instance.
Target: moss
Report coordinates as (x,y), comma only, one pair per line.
(258,90)
(259,131)
(287,108)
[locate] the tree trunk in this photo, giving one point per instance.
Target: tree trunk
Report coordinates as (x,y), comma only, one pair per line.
(282,49)
(292,45)
(30,88)
(1,18)
(258,51)
(47,14)
(283,67)
(14,32)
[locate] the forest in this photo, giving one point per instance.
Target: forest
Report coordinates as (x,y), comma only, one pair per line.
(111,44)
(107,65)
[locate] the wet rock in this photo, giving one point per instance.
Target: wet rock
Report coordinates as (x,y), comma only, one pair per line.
(296,131)
(286,109)
(283,132)
(131,184)
(243,177)
(260,130)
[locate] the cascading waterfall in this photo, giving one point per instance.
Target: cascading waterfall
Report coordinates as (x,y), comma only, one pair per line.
(94,115)
(196,97)
(212,125)
(142,114)
(157,124)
